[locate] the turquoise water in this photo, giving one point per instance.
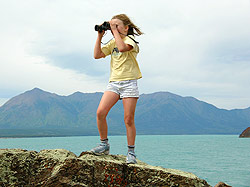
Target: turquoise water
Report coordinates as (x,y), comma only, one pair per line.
(211,157)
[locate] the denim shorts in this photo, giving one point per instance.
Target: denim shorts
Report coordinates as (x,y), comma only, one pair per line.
(124,89)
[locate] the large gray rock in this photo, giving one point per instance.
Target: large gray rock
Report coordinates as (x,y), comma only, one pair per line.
(59,167)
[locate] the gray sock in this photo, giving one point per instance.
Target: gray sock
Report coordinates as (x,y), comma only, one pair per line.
(105,141)
(131,148)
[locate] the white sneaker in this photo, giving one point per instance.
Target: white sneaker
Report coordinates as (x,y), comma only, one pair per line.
(103,148)
(131,158)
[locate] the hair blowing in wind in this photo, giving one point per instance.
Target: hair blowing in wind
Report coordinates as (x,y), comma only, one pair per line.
(127,22)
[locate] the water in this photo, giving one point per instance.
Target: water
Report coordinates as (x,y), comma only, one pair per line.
(211,157)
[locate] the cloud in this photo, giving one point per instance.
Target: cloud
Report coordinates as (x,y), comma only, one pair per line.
(199,53)
(192,47)
(21,71)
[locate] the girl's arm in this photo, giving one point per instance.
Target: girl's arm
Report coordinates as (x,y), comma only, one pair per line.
(98,50)
(122,47)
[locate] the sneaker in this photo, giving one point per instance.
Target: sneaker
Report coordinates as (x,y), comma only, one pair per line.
(131,158)
(103,148)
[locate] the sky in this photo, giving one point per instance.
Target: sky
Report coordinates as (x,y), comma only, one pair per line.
(190,48)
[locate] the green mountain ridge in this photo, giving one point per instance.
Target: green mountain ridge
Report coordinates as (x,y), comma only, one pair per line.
(41,113)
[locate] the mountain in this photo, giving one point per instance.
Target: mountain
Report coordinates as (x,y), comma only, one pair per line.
(173,114)
(40,113)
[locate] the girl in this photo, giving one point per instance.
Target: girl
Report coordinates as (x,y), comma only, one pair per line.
(124,72)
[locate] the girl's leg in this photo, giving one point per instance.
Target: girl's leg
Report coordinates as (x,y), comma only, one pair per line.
(107,102)
(129,105)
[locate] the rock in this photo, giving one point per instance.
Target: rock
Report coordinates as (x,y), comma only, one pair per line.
(245,133)
(222,184)
(60,167)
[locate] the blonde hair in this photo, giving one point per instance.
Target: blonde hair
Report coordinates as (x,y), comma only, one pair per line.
(127,22)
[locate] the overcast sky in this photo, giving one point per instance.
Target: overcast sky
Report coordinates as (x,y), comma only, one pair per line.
(190,48)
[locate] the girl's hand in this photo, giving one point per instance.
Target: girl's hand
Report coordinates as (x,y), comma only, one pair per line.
(100,34)
(113,25)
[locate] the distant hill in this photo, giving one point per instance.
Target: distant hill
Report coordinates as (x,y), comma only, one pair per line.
(40,113)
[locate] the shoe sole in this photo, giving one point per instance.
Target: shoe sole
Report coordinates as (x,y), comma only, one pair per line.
(99,154)
(132,162)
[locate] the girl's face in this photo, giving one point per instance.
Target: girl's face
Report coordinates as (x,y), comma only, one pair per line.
(120,27)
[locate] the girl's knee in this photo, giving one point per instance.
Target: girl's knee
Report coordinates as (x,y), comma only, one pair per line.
(101,114)
(129,120)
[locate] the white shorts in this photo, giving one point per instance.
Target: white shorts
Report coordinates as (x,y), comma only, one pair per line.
(125,89)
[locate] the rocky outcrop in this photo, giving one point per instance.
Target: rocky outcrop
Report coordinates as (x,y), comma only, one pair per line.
(245,133)
(59,167)
(222,184)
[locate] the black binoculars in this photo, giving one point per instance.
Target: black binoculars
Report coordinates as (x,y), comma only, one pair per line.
(103,27)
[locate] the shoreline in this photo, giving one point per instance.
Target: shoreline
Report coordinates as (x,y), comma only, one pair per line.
(58,136)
